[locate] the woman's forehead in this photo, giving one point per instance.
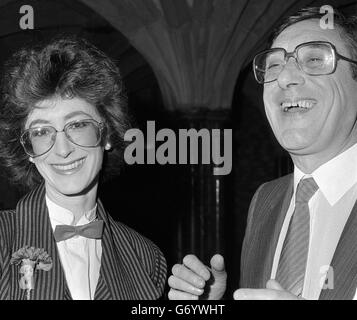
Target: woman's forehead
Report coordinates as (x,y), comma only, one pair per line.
(58,110)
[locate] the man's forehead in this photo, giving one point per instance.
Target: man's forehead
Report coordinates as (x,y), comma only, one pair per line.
(305,31)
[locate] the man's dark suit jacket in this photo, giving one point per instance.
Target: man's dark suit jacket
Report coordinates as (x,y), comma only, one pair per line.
(132,267)
(265,219)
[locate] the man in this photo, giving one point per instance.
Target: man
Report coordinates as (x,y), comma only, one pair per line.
(301,234)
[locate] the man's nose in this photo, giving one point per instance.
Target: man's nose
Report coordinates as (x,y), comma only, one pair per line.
(291,75)
(63,147)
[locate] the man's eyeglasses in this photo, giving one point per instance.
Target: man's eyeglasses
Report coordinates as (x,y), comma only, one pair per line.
(315,58)
(85,133)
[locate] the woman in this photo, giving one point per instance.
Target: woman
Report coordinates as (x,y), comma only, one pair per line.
(62,121)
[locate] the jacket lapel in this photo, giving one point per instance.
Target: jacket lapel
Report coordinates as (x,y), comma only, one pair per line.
(272,205)
(275,222)
(34,229)
(344,263)
(112,283)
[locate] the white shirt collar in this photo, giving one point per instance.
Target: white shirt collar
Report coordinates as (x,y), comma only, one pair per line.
(334,177)
(59,215)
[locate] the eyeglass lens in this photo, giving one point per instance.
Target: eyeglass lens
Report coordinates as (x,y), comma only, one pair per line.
(313,59)
(38,141)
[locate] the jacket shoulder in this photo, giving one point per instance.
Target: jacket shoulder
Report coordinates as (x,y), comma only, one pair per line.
(265,197)
(147,253)
(270,191)
(6,214)
(136,239)
(278,183)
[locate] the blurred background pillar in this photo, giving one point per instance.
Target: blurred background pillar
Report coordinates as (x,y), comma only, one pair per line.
(201,225)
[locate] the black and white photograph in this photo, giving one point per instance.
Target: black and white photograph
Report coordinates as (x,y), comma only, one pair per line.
(180,155)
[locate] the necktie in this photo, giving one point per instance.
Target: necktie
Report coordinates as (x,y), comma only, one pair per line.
(91,230)
(293,258)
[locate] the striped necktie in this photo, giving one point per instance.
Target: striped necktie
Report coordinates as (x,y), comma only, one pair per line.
(293,258)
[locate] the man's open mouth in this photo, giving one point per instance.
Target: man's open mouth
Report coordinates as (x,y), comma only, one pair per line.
(298,105)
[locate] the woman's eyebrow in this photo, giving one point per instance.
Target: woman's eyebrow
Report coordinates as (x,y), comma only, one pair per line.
(38,121)
(66,117)
(76,113)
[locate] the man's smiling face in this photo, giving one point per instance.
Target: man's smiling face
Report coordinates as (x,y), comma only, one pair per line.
(324,126)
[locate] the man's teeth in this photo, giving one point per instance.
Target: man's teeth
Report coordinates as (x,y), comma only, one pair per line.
(69,166)
(305,104)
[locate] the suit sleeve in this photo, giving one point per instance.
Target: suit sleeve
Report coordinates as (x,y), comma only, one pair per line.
(2,253)
(5,240)
(2,241)
(160,270)
(248,230)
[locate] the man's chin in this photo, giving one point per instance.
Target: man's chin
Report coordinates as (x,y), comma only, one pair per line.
(296,143)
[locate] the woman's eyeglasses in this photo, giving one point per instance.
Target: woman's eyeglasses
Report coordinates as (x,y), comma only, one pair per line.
(85,133)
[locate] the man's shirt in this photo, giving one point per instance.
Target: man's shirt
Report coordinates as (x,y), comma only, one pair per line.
(80,257)
(330,208)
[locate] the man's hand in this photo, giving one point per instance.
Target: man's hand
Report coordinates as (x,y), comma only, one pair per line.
(273,291)
(193,279)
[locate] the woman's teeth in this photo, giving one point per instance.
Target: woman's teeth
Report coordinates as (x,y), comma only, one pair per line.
(73,165)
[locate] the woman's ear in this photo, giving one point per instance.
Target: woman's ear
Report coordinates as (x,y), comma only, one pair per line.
(108,146)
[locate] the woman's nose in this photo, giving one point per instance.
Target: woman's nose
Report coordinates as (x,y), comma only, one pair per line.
(63,147)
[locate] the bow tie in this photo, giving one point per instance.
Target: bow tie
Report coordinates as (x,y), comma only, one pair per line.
(91,230)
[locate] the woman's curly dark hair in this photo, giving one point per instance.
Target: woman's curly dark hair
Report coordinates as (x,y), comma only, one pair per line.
(66,67)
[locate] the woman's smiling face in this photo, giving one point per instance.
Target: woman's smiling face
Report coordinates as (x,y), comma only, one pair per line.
(68,169)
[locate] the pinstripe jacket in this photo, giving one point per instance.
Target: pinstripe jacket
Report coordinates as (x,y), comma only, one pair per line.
(132,267)
(265,219)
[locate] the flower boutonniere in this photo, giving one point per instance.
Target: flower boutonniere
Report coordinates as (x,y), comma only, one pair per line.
(31,259)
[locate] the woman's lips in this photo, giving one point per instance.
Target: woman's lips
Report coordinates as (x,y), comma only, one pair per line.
(69,168)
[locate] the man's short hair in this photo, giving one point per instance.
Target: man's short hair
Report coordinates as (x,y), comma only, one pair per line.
(65,67)
(347,27)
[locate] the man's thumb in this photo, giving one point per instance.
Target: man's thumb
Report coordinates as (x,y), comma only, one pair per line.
(218,268)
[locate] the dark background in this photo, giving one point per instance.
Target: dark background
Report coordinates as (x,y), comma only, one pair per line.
(152,198)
